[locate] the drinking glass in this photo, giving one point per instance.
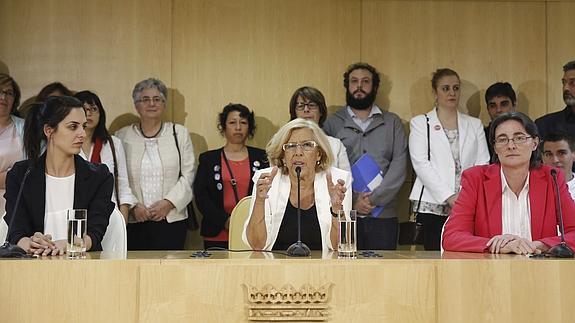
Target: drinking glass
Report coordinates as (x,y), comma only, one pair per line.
(347,247)
(77,220)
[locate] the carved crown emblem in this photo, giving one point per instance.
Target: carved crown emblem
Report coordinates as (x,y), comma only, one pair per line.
(288,303)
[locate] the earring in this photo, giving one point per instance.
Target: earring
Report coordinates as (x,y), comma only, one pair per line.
(318,162)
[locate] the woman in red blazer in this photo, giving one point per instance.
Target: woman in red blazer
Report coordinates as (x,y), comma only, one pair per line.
(477,221)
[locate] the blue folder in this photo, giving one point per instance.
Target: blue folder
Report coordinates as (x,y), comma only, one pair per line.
(366,177)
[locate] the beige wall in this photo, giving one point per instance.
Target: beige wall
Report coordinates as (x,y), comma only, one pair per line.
(212,52)
(257,52)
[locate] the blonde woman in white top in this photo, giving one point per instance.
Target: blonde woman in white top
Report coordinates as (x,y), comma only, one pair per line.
(442,144)
(159,178)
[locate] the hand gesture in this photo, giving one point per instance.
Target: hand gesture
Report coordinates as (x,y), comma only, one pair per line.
(336,191)
(264,183)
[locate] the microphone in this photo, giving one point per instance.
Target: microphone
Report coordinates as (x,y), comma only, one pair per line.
(561,250)
(8,250)
(298,249)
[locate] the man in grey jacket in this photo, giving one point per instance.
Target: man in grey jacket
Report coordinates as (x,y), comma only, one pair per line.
(366,129)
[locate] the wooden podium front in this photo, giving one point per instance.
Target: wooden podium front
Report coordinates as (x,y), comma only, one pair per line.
(400,286)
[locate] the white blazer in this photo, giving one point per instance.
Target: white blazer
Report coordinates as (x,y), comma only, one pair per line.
(339,154)
(438,174)
(106,157)
(277,200)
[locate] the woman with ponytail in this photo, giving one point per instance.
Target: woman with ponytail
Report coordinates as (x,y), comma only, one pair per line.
(55,179)
(102,148)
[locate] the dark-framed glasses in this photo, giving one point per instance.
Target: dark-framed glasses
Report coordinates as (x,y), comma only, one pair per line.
(305,146)
(518,140)
(300,106)
(7,93)
(92,108)
(149,100)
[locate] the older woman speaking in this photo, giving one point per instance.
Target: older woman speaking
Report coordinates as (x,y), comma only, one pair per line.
(509,206)
(272,223)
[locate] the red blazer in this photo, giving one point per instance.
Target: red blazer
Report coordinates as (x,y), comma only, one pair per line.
(476,215)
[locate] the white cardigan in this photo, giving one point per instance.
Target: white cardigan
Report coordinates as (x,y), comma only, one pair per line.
(438,174)
(177,190)
(277,201)
(340,159)
(106,157)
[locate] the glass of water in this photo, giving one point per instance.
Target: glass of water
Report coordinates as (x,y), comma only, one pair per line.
(77,221)
(347,247)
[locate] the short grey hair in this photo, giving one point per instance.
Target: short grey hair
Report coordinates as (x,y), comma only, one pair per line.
(151,83)
(569,66)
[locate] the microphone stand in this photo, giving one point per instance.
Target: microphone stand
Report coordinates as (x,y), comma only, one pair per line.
(562,250)
(8,250)
(298,249)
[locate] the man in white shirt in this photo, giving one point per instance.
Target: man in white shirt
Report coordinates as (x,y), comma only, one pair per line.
(559,151)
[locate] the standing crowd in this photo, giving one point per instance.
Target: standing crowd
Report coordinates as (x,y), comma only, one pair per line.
(477,189)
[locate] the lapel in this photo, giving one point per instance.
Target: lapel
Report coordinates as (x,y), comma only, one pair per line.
(463,127)
(376,121)
(493,207)
(538,185)
(322,201)
(437,134)
(81,182)
(37,184)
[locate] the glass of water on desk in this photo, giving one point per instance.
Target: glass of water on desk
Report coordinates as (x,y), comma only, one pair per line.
(347,247)
(77,221)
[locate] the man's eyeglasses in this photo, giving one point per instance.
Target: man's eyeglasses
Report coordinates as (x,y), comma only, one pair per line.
(7,93)
(518,140)
(305,146)
(300,106)
(92,108)
(148,100)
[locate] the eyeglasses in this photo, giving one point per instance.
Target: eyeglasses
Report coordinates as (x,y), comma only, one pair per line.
(518,140)
(148,100)
(305,146)
(92,108)
(7,93)
(300,106)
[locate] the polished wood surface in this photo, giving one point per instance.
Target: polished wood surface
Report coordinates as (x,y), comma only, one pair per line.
(400,286)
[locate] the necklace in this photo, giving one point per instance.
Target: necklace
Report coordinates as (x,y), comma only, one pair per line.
(154,135)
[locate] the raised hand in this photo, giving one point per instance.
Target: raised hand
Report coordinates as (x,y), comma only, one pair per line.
(336,191)
(264,184)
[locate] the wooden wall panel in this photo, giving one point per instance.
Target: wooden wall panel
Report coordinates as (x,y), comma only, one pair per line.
(106,46)
(560,49)
(483,41)
(257,52)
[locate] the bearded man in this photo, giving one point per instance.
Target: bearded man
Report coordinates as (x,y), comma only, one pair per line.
(364,128)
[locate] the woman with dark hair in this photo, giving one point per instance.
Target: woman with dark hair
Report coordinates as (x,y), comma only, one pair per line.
(52,89)
(56,180)
(309,103)
(442,143)
(509,206)
(101,148)
(224,174)
(160,160)
(11,131)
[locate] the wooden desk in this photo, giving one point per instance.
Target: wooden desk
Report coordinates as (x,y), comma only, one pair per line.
(399,287)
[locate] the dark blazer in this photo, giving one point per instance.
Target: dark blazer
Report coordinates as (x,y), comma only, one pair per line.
(92,191)
(476,216)
(208,188)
